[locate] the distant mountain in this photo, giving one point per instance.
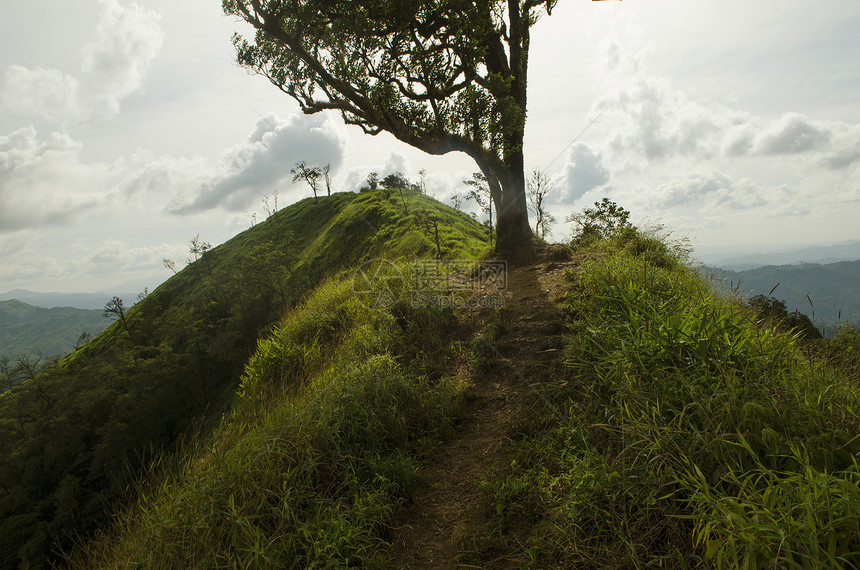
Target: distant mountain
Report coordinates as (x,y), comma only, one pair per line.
(33,330)
(739,260)
(127,291)
(834,288)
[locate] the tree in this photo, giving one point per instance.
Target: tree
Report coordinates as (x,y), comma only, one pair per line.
(83,339)
(198,248)
(10,374)
(25,368)
(271,208)
(395,180)
(116,308)
(456,199)
(479,191)
(430,225)
(310,174)
(772,310)
(373,180)
(326,171)
(538,187)
(604,220)
(443,76)
(422,181)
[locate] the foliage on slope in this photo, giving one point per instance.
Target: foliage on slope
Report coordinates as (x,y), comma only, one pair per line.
(682,433)
(832,287)
(73,439)
(337,406)
(49,332)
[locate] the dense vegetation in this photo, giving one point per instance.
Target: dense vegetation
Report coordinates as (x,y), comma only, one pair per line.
(678,429)
(827,293)
(73,439)
(337,407)
(49,332)
(681,431)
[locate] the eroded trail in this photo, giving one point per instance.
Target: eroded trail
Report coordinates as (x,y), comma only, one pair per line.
(500,396)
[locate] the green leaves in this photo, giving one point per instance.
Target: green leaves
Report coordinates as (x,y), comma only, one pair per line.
(605,220)
(421,70)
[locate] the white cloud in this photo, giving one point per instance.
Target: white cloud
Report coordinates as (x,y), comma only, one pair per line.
(396,162)
(162,177)
(111,255)
(844,157)
(356,178)
(791,134)
(262,163)
(91,262)
(42,181)
(706,192)
(441,183)
(41,92)
(126,41)
(583,172)
(648,118)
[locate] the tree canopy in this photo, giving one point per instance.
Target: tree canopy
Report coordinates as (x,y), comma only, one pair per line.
(440,75)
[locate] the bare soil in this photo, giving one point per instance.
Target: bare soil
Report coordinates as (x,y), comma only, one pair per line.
(431,530)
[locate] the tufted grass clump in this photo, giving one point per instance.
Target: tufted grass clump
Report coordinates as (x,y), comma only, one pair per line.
(326,441)
(685,434)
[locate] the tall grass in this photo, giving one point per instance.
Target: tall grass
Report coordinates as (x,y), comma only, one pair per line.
(325,443)
(693,436)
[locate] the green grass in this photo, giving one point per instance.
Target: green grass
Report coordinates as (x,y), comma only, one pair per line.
(679,431)
(323,445)
(73,439)
(685,435)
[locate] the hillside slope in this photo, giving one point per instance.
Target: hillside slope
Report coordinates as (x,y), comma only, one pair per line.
(36,330)
(73,439)
(613,414)
(833,287)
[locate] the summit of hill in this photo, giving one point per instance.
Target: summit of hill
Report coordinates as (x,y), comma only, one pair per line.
(355,382)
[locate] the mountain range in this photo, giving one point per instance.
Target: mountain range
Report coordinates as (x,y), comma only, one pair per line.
(25,329)
(826,293)
(742,258)
(95,300)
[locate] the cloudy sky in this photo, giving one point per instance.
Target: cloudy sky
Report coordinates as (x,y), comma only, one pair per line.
(126,129)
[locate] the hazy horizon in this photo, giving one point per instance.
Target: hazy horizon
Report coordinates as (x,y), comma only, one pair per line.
(712,256)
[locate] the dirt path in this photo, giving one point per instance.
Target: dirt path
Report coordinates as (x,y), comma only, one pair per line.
(430,531)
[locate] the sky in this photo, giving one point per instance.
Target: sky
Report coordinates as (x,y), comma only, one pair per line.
(127,129)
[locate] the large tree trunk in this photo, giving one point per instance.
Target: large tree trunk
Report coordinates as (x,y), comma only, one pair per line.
(513,233)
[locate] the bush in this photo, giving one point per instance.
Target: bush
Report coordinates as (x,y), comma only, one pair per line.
(685,434)
(606,219)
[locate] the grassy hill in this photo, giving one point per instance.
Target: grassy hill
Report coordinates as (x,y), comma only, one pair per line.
(615,413)
(610,412)
(36,330)
(73,439)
